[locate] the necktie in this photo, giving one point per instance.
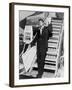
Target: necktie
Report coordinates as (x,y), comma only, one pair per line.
(41,31)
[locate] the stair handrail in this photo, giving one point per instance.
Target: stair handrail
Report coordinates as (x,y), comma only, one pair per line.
(59,47)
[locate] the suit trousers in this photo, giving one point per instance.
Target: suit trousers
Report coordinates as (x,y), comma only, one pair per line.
(40,60)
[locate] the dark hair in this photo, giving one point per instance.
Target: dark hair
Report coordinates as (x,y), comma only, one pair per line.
(41,20)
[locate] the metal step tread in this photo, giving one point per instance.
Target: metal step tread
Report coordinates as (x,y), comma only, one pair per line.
(53,41)
(46,66)
(56,36)
(54,32)
(57,26)
(56,23)
(51,56)
(50,59)
(56,29)
(48,62)
(56,18)
(52,45)
(52,52)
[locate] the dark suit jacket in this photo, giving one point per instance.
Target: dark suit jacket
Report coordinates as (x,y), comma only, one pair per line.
(42,39)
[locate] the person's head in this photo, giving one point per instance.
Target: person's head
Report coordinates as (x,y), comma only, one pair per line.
(41,22)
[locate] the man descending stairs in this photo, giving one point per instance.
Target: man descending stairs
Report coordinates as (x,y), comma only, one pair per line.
(54,49)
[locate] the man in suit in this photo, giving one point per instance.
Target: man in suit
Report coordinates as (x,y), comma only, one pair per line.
(42,36)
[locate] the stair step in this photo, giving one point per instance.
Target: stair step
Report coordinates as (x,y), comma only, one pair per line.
(52,45)
(50,59)
(53,41)
(57,21)
(56,29)
(51,56)
(56,18)
(55,33)
(56,26)
(51,52)
(50,63)
(55,36)
(51,67)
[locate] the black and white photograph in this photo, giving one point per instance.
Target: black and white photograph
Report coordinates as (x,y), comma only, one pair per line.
(41,44)
(41,51)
